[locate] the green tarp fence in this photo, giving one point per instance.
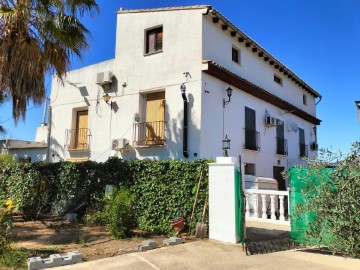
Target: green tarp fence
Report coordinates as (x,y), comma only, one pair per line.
(303,181)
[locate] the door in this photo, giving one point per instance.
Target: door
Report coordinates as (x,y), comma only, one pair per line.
(280,138)
(250,129)
(302,142)
(155,118)
(81,132)
(277,175)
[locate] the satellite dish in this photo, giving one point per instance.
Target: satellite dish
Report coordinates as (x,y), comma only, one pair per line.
(293,127)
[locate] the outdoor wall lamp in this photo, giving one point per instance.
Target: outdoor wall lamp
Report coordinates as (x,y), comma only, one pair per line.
(228,93)
(183,91)
(106,98)
(225,146)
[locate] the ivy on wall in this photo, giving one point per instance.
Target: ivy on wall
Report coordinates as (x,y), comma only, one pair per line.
(163,190)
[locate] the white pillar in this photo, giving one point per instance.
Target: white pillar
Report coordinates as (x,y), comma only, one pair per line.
(223,222)
(272,203)
(282,216)
(256,205)
(263,201)
(247,196)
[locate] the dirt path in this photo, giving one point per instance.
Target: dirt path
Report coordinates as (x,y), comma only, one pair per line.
(52,235)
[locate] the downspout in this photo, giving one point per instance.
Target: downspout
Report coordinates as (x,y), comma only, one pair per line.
(185,128)
(320,97)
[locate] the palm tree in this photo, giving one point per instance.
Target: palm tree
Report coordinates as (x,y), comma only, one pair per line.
(37,36)
(2,99)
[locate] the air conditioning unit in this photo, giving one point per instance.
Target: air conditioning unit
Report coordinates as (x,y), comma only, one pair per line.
(104,78)
(314,146)
(270,121)
(118,144)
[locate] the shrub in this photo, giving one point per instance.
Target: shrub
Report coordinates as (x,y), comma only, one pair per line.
(6,159)
(6,216)
(332,198)
(118,213)
(14,259)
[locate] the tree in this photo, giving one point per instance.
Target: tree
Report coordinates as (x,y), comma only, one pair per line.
(2,98)
(331,197)
(37,36)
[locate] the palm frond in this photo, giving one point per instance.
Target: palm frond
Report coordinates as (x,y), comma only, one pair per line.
(37,36)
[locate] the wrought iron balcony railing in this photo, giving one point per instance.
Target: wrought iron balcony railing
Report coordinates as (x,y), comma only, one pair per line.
(303,150)
(77,139)
(251,140)
(281,146)
(149,133)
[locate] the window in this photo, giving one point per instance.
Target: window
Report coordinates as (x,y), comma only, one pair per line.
(25,159)
(154,40)
(303,147)
(277,79)
(236,55)
(250,168)
(251,135)
(281,142)
(304,99)
(152,131)
(78,138)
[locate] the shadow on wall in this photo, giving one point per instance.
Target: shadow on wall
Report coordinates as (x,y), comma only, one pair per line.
(56,151)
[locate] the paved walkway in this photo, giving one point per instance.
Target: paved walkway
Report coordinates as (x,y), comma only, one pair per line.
(209,254)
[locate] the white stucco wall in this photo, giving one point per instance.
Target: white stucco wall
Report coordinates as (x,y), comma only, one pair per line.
(36,154)
(141,74)
(188,38)
(234,124)
(251,67)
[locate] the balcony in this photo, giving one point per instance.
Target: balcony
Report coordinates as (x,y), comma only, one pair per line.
(281,146)
(251,140)
(77,139)
(148,134)
(303,150)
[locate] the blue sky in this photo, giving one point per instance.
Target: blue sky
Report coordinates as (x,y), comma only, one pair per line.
(317,39)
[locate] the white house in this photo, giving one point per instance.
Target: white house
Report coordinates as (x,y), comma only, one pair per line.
(24,151)
(270,118)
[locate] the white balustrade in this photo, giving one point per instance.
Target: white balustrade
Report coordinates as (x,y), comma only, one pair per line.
(273,204)
(263,201)
(247,214)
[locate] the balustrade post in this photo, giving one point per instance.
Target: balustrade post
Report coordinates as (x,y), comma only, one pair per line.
(247,203)
(282,217)
(272,203)
(263,201)
(256,211)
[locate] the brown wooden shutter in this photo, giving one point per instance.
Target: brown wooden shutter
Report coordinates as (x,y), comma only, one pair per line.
(81,136)
(155,118)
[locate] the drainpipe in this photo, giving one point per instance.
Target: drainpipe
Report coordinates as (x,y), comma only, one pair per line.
(185,128)
(320,97)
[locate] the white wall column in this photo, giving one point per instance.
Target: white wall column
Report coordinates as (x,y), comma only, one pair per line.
(224,213)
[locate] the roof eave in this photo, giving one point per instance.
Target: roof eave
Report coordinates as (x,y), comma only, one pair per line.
(261,52)
(231,78)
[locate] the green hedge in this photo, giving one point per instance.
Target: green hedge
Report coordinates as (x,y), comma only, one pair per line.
(163,190)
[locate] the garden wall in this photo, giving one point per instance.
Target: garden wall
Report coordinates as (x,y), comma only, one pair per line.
(163,189)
